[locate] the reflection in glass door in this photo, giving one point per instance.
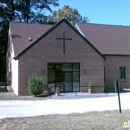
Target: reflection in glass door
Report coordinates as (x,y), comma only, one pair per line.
(76,81)
(68,82)
(59,80)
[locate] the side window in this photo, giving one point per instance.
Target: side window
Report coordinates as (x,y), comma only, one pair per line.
(122,73)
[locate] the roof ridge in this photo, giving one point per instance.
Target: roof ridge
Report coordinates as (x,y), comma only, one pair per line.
(104,24)
(33,23)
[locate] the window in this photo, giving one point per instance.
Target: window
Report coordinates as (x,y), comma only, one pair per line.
(75,67)
(122,73)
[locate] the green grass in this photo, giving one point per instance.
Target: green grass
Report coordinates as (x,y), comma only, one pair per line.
(107,120)
(12,96)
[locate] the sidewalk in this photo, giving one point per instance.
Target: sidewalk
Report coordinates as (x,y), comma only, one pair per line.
(80,95)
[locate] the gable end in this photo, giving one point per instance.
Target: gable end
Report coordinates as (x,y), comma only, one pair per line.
(49,31)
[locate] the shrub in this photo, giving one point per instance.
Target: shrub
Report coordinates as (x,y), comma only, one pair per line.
(90,85)
(35,85)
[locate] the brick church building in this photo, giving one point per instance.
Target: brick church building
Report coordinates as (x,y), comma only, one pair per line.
(68,56)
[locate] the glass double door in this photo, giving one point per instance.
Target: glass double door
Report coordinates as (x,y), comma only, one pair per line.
(64,75)
(64,81)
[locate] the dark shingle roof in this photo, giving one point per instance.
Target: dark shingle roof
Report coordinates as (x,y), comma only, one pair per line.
(108,39)
(21,32)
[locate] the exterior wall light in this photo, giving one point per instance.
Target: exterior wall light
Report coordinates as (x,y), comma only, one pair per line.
(84,71)
(42,71)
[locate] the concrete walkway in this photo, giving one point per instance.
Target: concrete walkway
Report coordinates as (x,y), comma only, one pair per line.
(80,95)
(64,104)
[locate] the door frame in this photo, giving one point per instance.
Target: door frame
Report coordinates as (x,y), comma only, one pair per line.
(55,82)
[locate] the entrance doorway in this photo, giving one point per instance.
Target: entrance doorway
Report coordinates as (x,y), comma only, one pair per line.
(64,81)
(66,76)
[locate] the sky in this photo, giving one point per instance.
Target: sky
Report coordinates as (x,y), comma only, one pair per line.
(113,12)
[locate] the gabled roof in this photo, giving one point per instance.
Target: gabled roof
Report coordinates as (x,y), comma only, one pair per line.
(108,39)
(22,31)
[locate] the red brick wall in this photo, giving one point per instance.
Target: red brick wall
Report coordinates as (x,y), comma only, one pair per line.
(51,50)
(112,64)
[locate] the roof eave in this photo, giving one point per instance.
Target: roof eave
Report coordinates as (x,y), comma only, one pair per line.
(50,30)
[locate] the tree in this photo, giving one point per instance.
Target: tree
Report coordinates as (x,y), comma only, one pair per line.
(7,10)
(20,11)
(25,10)
(70,14)
(52,19)
(3,49)
(31,11)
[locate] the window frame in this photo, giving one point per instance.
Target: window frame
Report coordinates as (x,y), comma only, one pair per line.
(122,73)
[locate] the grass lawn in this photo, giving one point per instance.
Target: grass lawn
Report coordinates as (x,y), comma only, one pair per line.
(12,96)
(107,120)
